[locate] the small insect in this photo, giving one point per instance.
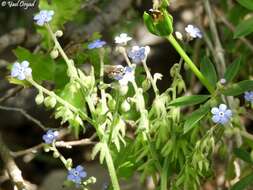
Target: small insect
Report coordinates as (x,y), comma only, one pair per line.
(156,14)
(114,70)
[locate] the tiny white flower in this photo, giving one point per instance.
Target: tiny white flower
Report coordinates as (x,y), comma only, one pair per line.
(122,39)
(193,31)
(21,71)
(43,17)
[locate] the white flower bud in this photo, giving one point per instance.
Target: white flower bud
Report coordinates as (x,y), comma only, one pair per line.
(179,35)
(54,53)
(59,33)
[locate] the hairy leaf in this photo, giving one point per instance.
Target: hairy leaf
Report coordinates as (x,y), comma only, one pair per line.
(244,28)
(189,100)
(239,88)
(233,70)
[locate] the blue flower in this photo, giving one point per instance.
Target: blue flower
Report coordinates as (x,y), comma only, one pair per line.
(96,44)
(43,17)
(76,175)
(221,115)
(50,136)
(193,31)
(21,71)
(138,54)
(249,96)
(128,76)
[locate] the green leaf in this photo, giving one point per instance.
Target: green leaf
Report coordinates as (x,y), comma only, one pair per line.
(72,94)
(233,69)
(244,28)
(194,118)
(189,100)
(239,88)
(248,4)
(243,183)
(42,66)
(208,70)
(243,154)
(64,11)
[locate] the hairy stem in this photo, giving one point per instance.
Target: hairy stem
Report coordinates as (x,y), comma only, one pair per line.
(191,65)
(111,168)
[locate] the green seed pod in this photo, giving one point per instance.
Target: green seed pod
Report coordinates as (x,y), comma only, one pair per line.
(50,102)
(123,89)
(125,106)
(111,104)
(146,84)
(56,154)
(158,22)
(54,53)
(39,98)
(69,163)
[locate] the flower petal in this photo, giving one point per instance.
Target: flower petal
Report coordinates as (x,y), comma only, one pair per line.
(223,107)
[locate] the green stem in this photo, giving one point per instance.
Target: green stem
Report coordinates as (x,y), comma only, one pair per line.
(189,62)
(111,168)
(60,100)
(164,177)
(71,68)
(149,76)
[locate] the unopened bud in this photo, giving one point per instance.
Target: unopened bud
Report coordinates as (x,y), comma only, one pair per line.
(39,98)
(54,53)
(58,33)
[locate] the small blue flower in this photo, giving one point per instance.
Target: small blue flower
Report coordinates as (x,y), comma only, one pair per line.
(50,136)
(21,71)
(249,96)
(96,44)
(43,17)
(76,175)
(128,76)
(221,115)
(138,54)
(193,31)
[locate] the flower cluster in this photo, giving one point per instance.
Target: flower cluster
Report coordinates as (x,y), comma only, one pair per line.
(44,16)
(193,31)
(76,175)
(50,136)
(21,70)
(221,115)
(96,44)
(139,54)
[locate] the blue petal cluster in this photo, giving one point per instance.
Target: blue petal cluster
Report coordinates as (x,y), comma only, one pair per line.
(138,54)
(43,17)
(249,96)
(96,44)
(128,76)
(221,114)
(21,71)
(76,175)
(50,136)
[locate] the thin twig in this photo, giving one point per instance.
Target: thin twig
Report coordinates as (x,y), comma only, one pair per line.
(24,113)
(10,93)
(64,144)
